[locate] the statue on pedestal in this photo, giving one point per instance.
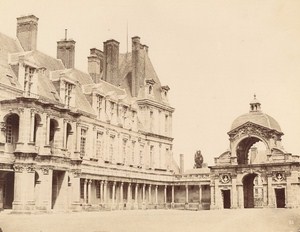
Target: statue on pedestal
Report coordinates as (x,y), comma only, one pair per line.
(198,159)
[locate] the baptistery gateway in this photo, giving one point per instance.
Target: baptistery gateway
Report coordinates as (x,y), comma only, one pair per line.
(267,178)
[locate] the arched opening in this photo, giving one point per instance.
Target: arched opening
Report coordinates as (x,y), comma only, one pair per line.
(53,128)
(150,89)
(251,150)
(12,130)
(37,122)
(248,187)
(253,191)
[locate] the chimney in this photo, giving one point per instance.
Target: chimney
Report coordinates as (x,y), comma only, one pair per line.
(139,51)
(111,61)
(95,64)
(181,163)
(66,51)
(27,27)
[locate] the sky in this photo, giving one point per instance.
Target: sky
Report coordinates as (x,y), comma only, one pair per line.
(214,55)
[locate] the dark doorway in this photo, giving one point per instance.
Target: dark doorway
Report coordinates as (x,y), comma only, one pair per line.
(57,181)
(248,190)
(226,199)
(280,197)
(8,190)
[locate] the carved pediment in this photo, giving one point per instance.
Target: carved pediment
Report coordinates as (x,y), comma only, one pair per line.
(250,128)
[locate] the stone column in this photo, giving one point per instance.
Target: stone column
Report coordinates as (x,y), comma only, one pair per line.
(212,196)
(24,188)
(121,196)
(128,196)
(165,196)
(156,195)
(144,196)
(75,191)
(101,191)
(270,192)
(85,191)
(105,193)
(186,196)
(234,194)
(200,196)
(150,195)
(113,194)
(32,114)
(290,195)
(240,192)
(136,203)
(64,126)
(90,192)
(173,195)
(47,130)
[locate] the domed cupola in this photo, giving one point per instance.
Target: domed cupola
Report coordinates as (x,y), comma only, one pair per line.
(257,117)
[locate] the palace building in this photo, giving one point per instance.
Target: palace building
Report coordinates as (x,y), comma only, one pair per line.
(102,140)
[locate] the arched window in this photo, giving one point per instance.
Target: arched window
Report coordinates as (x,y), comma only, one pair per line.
(150,89)
(12,129)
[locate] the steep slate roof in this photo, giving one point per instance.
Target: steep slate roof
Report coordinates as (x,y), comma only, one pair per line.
(125,67)
(8,45)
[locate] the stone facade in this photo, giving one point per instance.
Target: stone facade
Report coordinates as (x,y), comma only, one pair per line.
(102,140)
(71,140)
(243,178)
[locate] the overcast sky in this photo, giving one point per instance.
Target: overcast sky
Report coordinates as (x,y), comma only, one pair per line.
(213,54)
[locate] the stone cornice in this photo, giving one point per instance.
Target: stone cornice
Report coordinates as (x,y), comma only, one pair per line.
(148,134)
(155,104)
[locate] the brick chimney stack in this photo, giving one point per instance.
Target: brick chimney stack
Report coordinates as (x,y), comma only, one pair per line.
(139,53)
(66,51)
(95,64)
(111,61)
(181,163)
(27,28)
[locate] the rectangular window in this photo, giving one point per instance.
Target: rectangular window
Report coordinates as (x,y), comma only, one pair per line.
(83,142)
(9,136)
(68,91)
(99,144)
(124,150)
(141,155)
(111,147)
(29,71)
(166,123)
(133,152)
(151,156)
(99,105)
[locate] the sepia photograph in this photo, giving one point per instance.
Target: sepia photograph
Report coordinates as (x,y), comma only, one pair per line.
(149,115)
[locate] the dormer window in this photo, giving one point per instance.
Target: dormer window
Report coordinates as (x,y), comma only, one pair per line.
(150,84)
(99,105)
(165,89)
(68,93)
(29,72)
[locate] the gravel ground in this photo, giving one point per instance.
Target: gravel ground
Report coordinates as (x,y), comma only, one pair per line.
(254,220)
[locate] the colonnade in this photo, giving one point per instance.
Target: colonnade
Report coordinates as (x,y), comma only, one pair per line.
(111,194)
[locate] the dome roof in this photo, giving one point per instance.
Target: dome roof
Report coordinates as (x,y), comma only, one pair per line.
(258,118)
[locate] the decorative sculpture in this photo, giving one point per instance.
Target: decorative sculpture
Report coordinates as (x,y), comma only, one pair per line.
(198,159)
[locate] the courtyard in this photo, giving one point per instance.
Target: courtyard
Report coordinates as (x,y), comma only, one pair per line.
(271,220)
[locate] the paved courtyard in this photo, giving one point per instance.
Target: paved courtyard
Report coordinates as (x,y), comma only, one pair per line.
(254,220)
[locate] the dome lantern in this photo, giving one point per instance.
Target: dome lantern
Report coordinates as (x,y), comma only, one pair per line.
(255,105)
